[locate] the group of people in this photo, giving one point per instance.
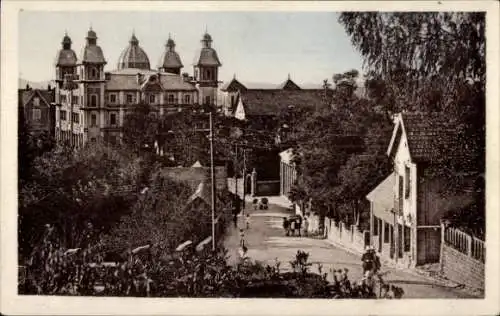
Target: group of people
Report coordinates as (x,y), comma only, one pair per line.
(295,224)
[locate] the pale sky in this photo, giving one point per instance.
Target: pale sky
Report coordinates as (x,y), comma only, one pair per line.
(256,46)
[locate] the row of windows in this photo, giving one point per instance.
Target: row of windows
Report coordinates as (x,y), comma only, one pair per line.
(75,117)
(74,99)
(152,99)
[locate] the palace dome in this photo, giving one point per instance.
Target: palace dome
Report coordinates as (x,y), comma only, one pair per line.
(133,56)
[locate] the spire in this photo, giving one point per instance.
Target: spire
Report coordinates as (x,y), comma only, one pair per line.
(170,43)
(91,36)
(234,76)
(133,39)
(207,40)
(66,42)
(288,76)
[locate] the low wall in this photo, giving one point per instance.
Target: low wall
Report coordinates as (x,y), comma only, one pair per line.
(462,268)
(348,237)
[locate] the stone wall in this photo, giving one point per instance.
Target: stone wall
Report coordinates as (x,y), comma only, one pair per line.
(462,268)
(345,236)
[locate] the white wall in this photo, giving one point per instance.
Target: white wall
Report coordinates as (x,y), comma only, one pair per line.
(240,111)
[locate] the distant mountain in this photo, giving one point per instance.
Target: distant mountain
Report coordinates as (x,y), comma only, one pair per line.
(35,85)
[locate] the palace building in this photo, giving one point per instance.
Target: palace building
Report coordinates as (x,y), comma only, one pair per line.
(92,103)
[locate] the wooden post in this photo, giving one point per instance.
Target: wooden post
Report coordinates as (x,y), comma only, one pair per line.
(469,245)
(443,229)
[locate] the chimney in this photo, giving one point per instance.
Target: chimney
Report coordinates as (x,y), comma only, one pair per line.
(185,76)
(49,87)
(27,87)
(107,76)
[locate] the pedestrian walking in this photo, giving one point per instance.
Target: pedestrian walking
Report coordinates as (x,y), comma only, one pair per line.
(235,220)
(293,225)
(299,225)
(286,226)
(242,238)
(247,221)
(243,253)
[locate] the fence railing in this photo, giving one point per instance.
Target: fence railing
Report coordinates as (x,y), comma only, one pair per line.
(465,243)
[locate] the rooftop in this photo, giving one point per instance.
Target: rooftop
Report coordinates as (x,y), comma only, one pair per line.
(272,102)
(428,134)
(126,79)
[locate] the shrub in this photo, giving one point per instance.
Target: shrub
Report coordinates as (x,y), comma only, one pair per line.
(54,270)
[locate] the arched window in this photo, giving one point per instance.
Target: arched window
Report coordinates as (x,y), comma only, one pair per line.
(93,100)
(94,73)
(152,98)
(187,99)
(207,99)
(171,99)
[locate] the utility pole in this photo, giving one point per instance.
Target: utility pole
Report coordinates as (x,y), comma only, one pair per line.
(212,171)
(244,176)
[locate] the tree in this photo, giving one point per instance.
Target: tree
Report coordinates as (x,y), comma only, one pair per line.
(29,147)
(157,217)
(431,62)
(140,127)
(71,189)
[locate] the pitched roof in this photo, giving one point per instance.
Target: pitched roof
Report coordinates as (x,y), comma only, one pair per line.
(199,180)
(46,96)
(427,134)
(235,85)
(193,176)
(126,79)
(383,194)
(289,85)
(272,102)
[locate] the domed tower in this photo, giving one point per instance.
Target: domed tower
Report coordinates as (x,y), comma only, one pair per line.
(66,60)
(170,61)
(206,71)
(134,56)
(92,88)
(92,60)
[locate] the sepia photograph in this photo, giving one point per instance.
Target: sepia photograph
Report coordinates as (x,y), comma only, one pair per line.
(334,155)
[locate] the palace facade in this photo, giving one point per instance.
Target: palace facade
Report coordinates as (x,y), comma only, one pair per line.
(91,103)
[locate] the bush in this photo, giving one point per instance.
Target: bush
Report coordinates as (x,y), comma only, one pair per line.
(264,201)
(54,270)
